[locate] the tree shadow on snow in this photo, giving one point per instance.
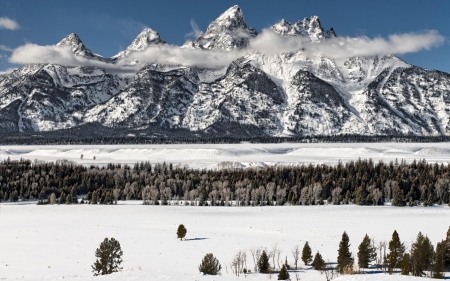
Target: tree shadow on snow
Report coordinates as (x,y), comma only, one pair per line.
(195,239)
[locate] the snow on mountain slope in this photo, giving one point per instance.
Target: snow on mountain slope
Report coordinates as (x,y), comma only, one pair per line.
(48,97)
(245,95)
(153,97)
(229,31)
(308,27)
(294,93)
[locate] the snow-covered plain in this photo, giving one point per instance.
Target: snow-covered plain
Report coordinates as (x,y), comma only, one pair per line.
(244,155)
(59,241)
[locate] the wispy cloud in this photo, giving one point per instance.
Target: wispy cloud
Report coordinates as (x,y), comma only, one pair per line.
(196,32)
(267,42)
(7,23)
(5,48)
(7,71)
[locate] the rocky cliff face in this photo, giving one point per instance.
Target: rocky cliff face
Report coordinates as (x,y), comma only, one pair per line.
(275,95)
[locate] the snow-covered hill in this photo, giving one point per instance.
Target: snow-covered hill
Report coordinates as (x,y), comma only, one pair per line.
(258,93)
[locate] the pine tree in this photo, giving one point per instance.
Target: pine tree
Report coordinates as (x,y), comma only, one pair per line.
(345,258)
(447,249)
(396,251)
(263,263)
(406,264)
(318,262)
(306,254)
(439,261)
(284,275)
(181,232)
(366,252)
(360,196)
(398,198)
(210,265)
(421,255)
(109,257)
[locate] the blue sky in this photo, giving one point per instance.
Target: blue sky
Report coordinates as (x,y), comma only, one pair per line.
(107,27)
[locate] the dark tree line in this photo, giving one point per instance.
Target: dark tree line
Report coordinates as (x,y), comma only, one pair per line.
(361,182)
(107,139)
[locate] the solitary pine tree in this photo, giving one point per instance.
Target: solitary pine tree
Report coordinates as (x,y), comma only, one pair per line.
(318,262)
(109,257)
(366,252)
(447,249)
(396,251)
(306,254)
(181,232)
(263,263)
(344,255)
(210,265)
(283,275)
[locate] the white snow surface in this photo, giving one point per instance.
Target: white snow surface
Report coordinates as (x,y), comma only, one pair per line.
(59,241)
(240,155)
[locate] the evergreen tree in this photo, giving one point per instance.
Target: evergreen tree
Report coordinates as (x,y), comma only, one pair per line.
(210,265)
(284,275)
(406,264)
(345,258)
(360,196)
(109,257)
(421,255)
(263,263)
(447,249)
(366,252)
(318,262)
(398,198)
(439,261)
(181,232)
(306,254)
(396,251)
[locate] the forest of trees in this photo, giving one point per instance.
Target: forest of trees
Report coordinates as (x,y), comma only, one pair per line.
(361,182)
(53,138)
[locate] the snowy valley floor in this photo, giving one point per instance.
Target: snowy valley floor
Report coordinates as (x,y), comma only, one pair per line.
(59,241)
(245,154)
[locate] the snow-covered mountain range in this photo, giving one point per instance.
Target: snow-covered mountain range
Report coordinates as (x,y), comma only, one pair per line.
(283,94)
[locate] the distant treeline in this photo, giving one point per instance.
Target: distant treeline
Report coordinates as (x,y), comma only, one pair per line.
(362,182)
(111,140)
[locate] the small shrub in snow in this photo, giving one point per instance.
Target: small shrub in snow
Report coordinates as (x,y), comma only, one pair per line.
(181,232)
(210,265)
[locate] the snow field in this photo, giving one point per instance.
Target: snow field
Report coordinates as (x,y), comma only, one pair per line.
(201,156)
(59,241)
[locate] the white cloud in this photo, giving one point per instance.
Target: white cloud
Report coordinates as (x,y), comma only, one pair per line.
(7,23)
(196,32)
(267,42)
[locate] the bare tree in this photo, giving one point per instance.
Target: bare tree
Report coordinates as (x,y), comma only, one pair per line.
(329,272)
(116,193)
(238,263)
(52,199)
(256,254)
(296,254)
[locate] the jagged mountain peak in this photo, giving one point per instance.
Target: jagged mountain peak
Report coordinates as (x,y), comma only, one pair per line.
(229,31)
(144,39)
(310,27)
(75,44)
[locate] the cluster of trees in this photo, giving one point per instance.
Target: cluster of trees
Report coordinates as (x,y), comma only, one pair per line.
(361,182)
(422,259)
(53,138)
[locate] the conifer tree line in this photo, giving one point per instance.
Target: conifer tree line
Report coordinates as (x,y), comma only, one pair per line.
(106,138)
(361,182)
